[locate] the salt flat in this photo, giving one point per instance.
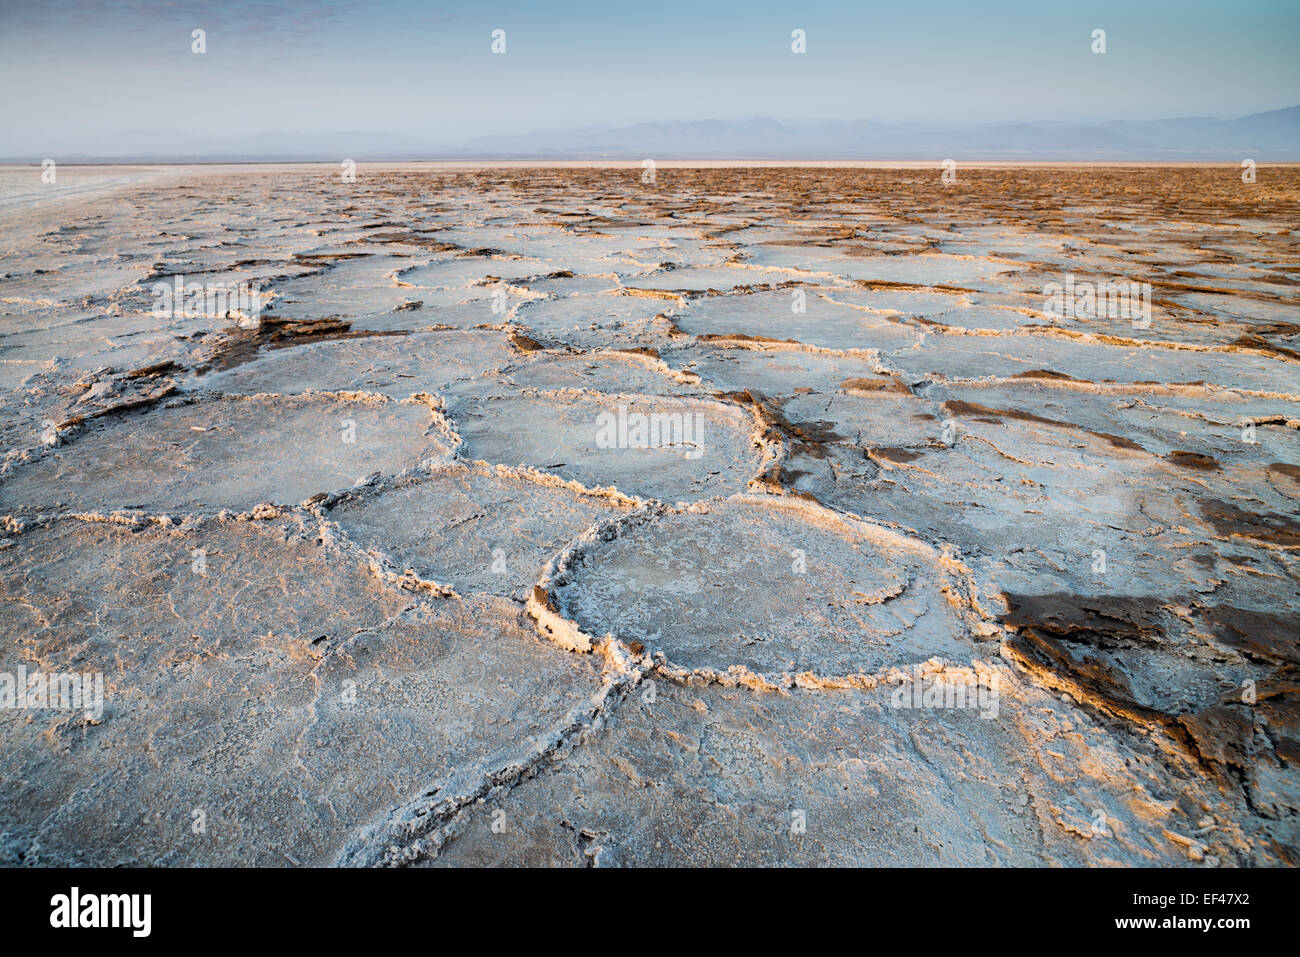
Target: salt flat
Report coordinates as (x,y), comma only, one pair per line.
(544,515)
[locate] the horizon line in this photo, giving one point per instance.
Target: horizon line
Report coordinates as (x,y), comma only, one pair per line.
(687,163)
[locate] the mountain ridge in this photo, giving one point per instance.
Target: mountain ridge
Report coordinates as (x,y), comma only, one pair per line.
(1272,135)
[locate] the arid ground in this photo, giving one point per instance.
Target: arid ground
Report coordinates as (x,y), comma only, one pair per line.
(882,560)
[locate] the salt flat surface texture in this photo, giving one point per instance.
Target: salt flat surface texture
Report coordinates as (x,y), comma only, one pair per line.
(750,516)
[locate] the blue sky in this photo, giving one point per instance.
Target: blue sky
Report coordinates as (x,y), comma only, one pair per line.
(108,75)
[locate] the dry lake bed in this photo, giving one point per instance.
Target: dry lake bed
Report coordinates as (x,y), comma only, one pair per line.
(609,516)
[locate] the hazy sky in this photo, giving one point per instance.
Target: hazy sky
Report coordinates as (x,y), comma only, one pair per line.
(106,76)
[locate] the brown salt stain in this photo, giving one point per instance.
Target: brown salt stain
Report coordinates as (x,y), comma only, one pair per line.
(1263,635)
(1229,734)
(807,438)
(1263,345)
(650,351)
(1269,527)
(1084,617)
(152,371)
(525,343)
(1222,736)
(875,385)
(983,413)
(1045,374)
(242,345)
(1194,460)
(894,454)
(742,337)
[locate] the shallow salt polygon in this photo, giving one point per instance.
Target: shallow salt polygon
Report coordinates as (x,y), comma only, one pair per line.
(468,271)
(346,288)
(226,454)
(922,269)
(722,279)
(568,434)
(866,417)
(956,356)
(476,530)
(773,585)
(595,321)
(773,315)
(783,371)
(607,371)
(397,366)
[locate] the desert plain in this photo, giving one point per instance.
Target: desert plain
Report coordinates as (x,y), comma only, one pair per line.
(576,516)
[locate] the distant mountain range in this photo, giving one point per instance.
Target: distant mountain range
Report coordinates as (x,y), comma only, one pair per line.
(1273,136)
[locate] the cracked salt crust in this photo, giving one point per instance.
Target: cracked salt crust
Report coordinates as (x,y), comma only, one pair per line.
(471,634)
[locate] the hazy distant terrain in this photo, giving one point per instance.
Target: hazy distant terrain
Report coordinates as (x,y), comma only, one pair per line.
(1272,136)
